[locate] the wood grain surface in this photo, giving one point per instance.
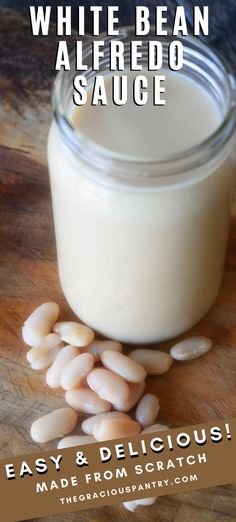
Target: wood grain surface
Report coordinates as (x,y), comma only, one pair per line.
(191,392)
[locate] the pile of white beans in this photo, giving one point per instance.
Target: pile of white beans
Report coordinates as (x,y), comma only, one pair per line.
(98,380)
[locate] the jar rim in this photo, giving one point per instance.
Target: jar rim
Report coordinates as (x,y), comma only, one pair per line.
(173,164)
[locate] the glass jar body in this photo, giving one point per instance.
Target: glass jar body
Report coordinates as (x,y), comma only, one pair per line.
(140,266)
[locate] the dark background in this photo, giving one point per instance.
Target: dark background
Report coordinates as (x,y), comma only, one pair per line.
(222,16)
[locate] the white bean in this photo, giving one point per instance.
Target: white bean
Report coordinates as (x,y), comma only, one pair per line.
(87,401)
(76,370)
(114,428)
(191,348)
(154,428)
(97,347)
(146,501)
(40,323)
(124,366)
(147,410)
(56,424)
(75,440)
(88,424)
(43,362)
(73,333)
(65,355)
(130,505)
(48,343)
(135,392)
(108,385)
(155,362)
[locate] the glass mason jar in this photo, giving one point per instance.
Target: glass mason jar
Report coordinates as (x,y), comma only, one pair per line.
(141,242)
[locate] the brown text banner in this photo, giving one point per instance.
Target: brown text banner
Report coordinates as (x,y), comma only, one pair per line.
(111,472)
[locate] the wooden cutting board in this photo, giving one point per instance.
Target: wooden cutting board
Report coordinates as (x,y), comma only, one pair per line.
(190,393)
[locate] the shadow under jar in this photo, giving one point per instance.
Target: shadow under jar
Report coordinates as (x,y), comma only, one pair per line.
(142,196)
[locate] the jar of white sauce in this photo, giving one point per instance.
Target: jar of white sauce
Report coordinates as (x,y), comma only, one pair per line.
(142,197)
